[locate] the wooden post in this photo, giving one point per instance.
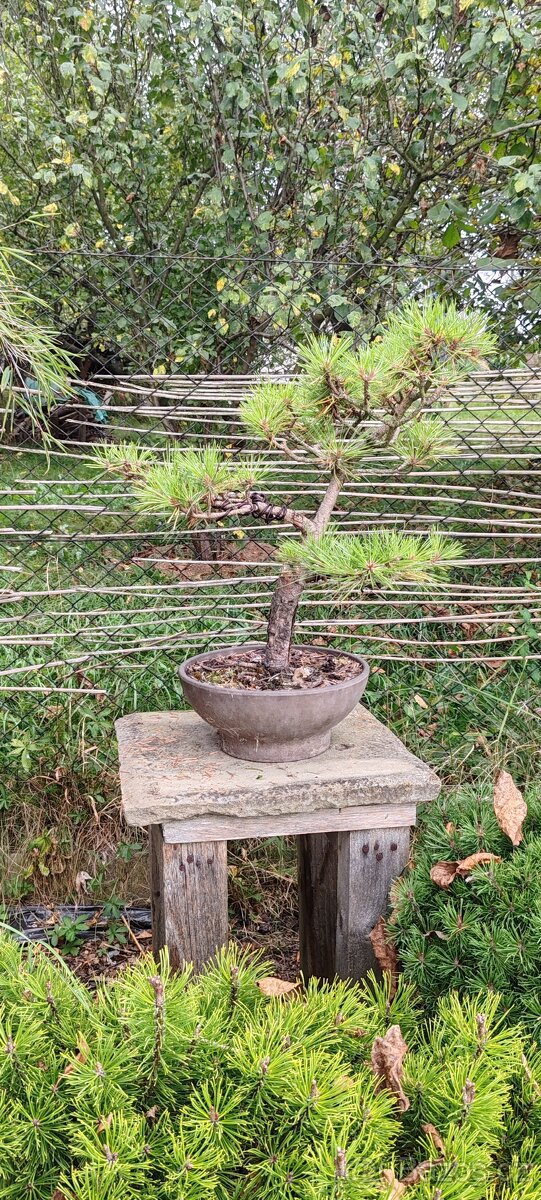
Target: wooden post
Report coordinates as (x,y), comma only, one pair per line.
(344,883)
(189,898)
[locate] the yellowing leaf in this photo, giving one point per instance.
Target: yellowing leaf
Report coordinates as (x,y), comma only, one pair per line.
(89,54)
(510,807)
(211,312)
(276,988)
(393,169)
(159,370)
(85,20)
(220,284)
(3,188)
(335,60)
(292,70)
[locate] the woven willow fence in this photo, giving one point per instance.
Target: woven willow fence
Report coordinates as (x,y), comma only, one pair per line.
(110,590)
(97,601)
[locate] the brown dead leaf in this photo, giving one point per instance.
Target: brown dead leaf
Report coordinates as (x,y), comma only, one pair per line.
(80,1057)
(475,860)
(443,874)
(387,1059)
(421,1169)
(509,806)
(435,1137)
(388,1177)
(270,986)
(81,880)
(104,1123)
(385,953)
(420,700)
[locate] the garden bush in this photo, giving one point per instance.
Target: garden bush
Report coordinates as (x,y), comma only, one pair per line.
(484,931)
(165,1086)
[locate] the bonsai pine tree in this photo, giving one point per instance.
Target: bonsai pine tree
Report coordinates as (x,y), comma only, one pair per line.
(345,406)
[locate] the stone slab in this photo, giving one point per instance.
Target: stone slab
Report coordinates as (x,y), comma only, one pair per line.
(172,768)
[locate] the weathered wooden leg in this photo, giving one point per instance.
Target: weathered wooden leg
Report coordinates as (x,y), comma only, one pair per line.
(344,884)
(189,898)
(317,864)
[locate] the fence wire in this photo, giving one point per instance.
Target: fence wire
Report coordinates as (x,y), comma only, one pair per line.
(100,605)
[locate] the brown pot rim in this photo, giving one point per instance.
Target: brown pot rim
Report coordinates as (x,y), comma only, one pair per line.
(232,650)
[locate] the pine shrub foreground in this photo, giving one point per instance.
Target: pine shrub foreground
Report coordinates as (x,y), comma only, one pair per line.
(162,1086)
(484,931)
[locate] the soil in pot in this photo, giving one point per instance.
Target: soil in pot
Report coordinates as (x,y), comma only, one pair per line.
(246,671)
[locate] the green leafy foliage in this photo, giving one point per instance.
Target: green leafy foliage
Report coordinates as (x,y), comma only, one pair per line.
(290,146)
(183,1088)
(485,930)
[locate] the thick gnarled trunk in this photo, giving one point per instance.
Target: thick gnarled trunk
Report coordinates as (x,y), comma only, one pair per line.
(291,583)
(285,602)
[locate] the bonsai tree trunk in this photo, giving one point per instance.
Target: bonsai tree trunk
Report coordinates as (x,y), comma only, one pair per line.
(285,602)
(290,586)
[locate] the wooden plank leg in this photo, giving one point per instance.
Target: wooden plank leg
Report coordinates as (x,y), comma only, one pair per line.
(189,898)
(317,857)
(344,884)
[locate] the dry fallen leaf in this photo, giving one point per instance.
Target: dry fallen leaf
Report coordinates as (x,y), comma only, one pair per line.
(421,1169)
(475,860)
(80,1057)
(270,986)
(435,1137)
(397,1188)
(385,953)
(444,873)
(81,880)
(509,806)
(387,1058)
(420,700)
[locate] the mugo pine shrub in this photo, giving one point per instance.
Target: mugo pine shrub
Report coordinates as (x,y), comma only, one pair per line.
(485,930)
(165,1087)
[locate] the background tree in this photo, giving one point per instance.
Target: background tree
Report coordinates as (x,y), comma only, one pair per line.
(300,152)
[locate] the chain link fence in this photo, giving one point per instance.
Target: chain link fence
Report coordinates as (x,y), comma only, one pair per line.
(98,606)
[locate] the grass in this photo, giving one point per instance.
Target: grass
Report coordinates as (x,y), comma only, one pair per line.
(59,800)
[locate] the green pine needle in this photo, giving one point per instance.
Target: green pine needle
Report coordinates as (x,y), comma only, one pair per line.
(377,559)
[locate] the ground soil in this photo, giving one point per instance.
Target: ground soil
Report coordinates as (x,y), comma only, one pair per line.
(97,959)
(246,671)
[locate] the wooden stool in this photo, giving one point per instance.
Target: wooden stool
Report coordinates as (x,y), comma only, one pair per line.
(351,809)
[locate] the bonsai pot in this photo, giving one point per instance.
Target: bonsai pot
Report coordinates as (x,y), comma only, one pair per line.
(274,725)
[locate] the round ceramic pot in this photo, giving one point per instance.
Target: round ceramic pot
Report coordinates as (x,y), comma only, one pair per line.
(275,725)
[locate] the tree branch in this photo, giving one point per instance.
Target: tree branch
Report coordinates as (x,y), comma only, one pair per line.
(255,504)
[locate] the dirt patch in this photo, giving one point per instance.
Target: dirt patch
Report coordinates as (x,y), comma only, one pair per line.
(192,568)
(246,671)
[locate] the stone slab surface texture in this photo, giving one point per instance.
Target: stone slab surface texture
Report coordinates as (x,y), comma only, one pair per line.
(172,768)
